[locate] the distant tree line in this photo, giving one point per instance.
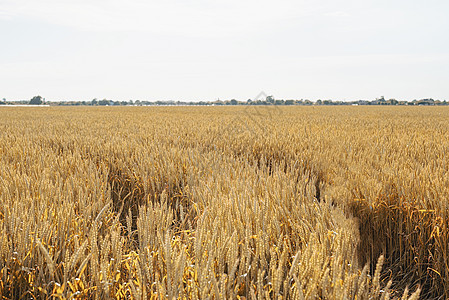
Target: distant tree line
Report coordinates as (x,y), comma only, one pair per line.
(269,100)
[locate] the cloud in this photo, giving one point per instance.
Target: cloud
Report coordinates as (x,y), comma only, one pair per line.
(337,14)
(191,17)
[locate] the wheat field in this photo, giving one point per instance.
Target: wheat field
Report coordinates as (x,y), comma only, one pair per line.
(224,203)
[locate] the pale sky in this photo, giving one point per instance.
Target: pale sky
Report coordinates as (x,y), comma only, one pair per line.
(204,50)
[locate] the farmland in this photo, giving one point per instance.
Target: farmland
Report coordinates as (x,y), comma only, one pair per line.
(224,202)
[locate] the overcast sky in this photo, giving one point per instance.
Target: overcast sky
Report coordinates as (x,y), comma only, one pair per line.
(206,49)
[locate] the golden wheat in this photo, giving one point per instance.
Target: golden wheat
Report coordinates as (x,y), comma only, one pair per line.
(221,202)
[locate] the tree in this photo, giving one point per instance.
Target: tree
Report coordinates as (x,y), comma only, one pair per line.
(381,101)
(234,102)
(308,102)
(279,102)
(270,99)
(36,100)
(393,102)
(104,102)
